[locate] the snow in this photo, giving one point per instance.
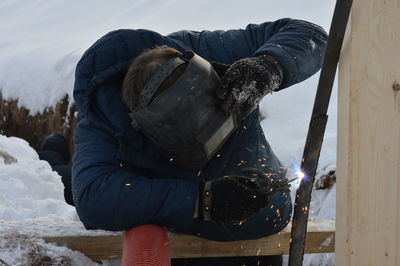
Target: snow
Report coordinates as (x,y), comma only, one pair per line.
(38,189)
(20,249)
(313,45)
(41,42)
(31,206)
(327,241)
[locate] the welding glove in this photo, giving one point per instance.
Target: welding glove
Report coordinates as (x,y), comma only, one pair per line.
(234,198)
(246,82)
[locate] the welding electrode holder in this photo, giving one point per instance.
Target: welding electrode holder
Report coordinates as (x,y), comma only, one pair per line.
(267,186)
(234,198)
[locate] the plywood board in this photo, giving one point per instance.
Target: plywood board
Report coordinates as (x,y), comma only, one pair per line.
(368,163)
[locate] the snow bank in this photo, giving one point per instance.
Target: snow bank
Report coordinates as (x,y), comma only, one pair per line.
(32,205)
(29,188)
(20,249)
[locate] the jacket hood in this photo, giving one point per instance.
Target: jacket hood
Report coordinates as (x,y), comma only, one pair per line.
(101,70)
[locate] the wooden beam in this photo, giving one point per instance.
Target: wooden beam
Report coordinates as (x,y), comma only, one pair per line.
(320,239)
(368,163)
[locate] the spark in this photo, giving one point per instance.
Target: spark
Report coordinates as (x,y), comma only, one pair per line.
(241,163)
(128,184)
(171,159)
(166,243)
(219,155)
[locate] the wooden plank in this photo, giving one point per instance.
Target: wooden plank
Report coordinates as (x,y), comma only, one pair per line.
(95,247)
(368,163)
(320,239)
(192,247)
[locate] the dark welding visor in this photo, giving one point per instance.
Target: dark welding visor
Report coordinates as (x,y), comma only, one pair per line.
(185,121)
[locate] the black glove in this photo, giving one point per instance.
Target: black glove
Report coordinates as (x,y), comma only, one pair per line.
(234,198)
(246,82)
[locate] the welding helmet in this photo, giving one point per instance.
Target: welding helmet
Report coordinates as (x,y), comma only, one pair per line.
(185,120)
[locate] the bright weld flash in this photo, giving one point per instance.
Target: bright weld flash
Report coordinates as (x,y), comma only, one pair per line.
(299,176)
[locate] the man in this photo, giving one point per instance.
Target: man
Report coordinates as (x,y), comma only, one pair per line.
(122,179)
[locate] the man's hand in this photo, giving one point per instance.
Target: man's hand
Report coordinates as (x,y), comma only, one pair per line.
(246,82)
(234,198)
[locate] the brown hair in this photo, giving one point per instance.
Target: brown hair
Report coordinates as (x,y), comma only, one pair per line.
(141,70)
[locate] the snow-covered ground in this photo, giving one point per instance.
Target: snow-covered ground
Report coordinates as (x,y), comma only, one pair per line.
(31,205)
(40,44)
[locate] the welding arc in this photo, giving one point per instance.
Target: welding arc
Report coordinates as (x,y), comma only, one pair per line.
(316,131)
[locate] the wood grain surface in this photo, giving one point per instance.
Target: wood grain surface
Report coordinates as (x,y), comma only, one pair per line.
(368,174)
(320,239)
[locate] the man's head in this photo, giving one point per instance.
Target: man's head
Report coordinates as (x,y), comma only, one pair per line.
(173,102)
(143,68)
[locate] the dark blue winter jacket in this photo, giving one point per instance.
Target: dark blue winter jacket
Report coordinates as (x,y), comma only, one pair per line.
(120,180)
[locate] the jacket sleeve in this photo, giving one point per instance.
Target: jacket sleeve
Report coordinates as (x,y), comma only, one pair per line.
(297,45)
(111,198)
